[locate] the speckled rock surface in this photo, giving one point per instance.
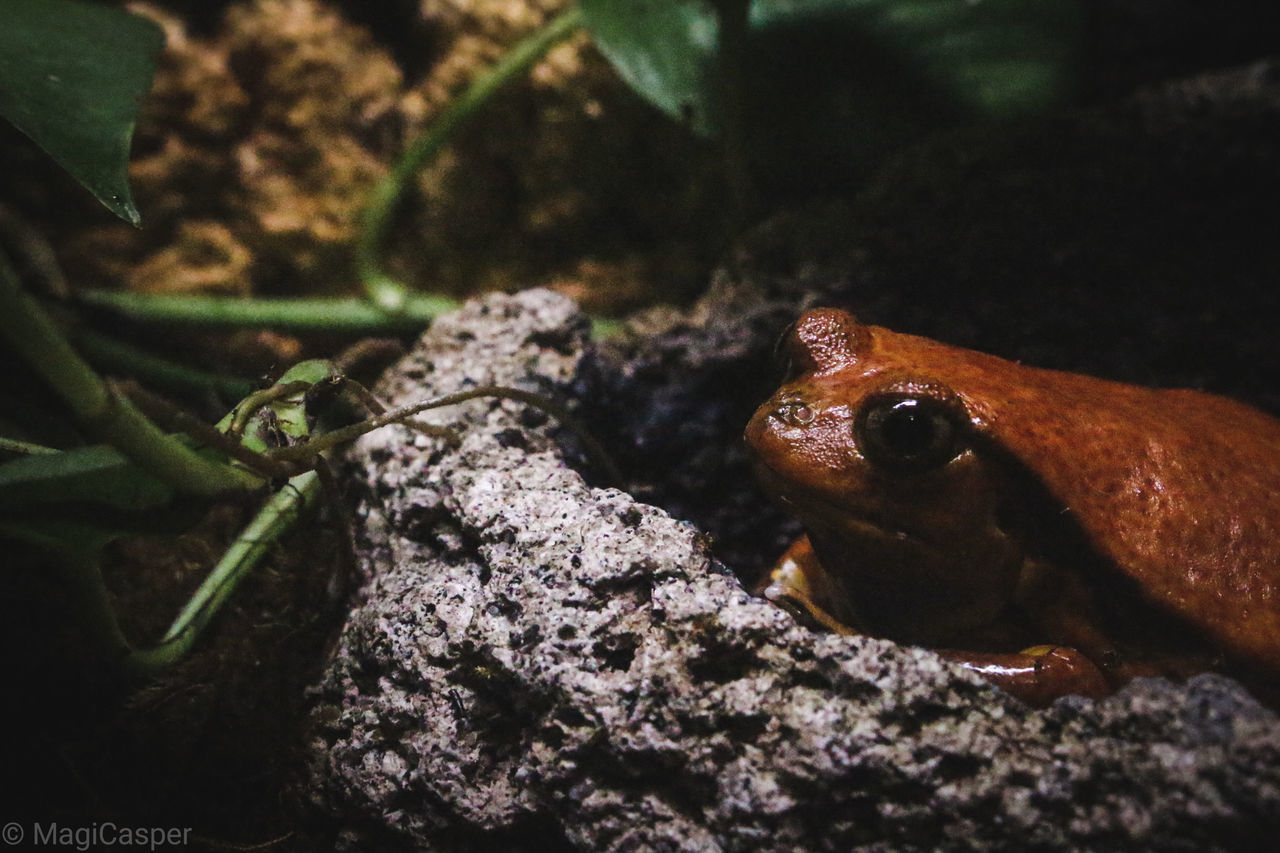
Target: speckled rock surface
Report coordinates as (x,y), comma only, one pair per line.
(540,664)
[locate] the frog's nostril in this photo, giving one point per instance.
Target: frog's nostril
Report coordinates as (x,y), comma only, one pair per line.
(796,414)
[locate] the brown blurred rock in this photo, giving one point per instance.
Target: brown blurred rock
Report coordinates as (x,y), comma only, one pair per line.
(275,120)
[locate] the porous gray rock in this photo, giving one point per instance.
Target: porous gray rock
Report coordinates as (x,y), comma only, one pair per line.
(538,663)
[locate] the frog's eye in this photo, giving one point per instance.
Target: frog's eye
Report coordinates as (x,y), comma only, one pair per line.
(909,433)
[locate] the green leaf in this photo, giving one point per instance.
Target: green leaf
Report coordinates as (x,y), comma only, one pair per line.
(72,76)
(665,50)
(97,474)
(70,539)
(74,502)
(280,410)
(829,79)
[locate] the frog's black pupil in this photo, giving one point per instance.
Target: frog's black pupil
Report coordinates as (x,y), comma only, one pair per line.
(907,430)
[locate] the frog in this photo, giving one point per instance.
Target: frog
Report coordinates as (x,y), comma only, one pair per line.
(1056,533)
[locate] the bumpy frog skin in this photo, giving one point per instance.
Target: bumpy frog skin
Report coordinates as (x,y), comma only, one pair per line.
(959,500)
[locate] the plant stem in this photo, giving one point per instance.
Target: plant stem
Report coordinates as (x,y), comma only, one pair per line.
(26,448)
(382,289)
(85,592)
(593,448)
(734,20)
(158,372)
(275,518)
(340,316)
(88,598)
(30,333)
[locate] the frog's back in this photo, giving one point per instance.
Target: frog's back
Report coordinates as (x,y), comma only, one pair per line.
(1181,489)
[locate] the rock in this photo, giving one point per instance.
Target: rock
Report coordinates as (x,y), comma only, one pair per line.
(537,663)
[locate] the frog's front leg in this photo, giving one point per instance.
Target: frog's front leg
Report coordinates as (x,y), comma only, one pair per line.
(1037,675)
(798,583)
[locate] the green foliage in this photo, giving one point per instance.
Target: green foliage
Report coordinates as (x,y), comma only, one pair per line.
(665,50)
(829,79)
(98,474)
(383,291)
(72,76)
(278,411)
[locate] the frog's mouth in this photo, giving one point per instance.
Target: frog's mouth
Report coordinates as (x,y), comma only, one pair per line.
(920,583)
(888,582)
(830,516)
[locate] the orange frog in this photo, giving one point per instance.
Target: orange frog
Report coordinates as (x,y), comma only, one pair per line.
(961,501)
